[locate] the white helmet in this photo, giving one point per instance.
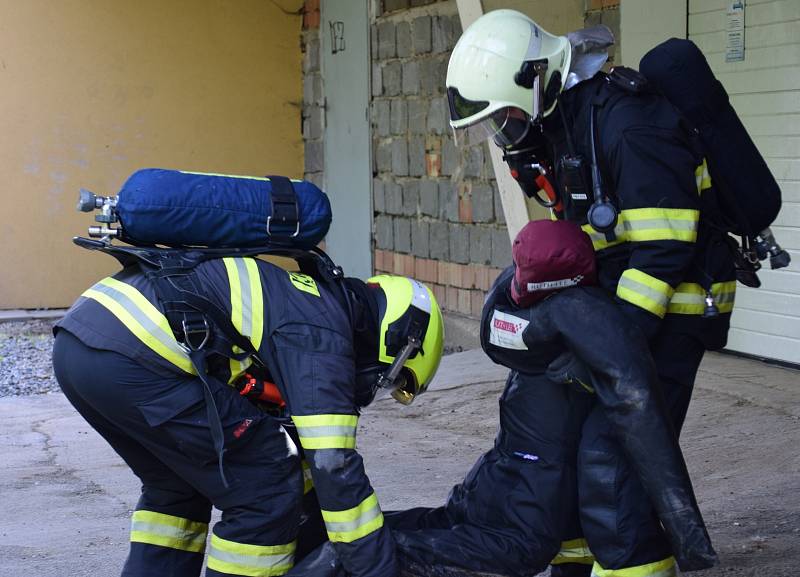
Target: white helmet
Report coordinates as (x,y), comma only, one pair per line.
(504,74)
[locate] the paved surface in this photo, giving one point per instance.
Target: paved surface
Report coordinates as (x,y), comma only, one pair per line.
(67,498)
(13,315)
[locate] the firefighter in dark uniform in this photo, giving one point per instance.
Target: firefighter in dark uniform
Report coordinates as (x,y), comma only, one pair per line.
(120,365)
(639,190)
(509,514)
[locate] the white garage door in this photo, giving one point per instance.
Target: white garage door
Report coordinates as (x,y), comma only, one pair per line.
(765,90)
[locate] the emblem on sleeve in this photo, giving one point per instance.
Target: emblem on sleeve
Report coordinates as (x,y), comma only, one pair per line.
(304,283)
(506,331)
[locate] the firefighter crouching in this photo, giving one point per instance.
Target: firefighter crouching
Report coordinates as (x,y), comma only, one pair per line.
(119,364)
(615,158)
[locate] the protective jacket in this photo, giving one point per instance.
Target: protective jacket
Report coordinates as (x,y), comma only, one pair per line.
(663,256)
(288,317)
(584,322)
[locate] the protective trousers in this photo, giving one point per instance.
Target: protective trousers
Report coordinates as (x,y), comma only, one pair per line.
(624,533)
(159,426)
(515,506)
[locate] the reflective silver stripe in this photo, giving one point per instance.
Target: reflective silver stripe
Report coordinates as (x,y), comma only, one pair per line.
(169,531)
(659,223)
(247,298)
(153,330)
(330,431)
(353,524)
(689,298)
(625,226)
(686,298)
(654,295)
(347,526)
(260,561)
(247,308)
(151,528)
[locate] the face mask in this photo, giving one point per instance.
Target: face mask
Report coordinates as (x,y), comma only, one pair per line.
(530,167)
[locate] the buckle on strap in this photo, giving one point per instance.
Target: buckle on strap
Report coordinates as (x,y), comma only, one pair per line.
(194,332)
(283,221)
(285,212)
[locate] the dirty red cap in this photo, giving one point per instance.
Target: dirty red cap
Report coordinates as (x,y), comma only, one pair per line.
(550,255)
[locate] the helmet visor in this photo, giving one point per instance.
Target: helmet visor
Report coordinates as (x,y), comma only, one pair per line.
(462,108)
(507,127)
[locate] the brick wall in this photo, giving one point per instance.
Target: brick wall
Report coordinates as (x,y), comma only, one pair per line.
(312,113)
(437,213)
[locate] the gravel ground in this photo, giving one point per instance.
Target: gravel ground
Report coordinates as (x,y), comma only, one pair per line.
(25,358)
(26,362)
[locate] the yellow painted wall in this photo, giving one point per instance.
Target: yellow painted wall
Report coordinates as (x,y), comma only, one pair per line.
(91,90)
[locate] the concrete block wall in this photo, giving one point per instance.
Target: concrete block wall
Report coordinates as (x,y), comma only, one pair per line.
(437,213)
(313,96)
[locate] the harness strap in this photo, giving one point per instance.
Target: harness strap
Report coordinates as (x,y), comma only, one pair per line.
(192,317)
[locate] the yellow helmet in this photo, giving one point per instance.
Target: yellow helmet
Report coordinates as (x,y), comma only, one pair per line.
(411,335)
(504,75)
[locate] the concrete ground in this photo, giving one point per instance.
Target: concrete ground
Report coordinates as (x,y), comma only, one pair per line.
(67,498)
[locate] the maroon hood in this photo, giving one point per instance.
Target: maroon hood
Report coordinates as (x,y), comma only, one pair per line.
(550,255)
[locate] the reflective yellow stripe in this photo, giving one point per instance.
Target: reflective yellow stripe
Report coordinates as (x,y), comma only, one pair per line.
(689,298)
(663,568)
(168,531)
(347,526)
(643,224)
(644,291)
(256,303)
(702,178)
(574,551)
(247,306)
(236,292)
(648,224)
(308,482)
(599,239)
(327,431)
(232,175)
(253,560)
(142,318)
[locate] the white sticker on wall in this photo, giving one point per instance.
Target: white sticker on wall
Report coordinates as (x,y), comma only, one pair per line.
(506,331)
(734,47)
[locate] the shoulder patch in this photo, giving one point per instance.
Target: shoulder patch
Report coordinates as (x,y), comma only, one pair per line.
(304,283)
(505,331)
